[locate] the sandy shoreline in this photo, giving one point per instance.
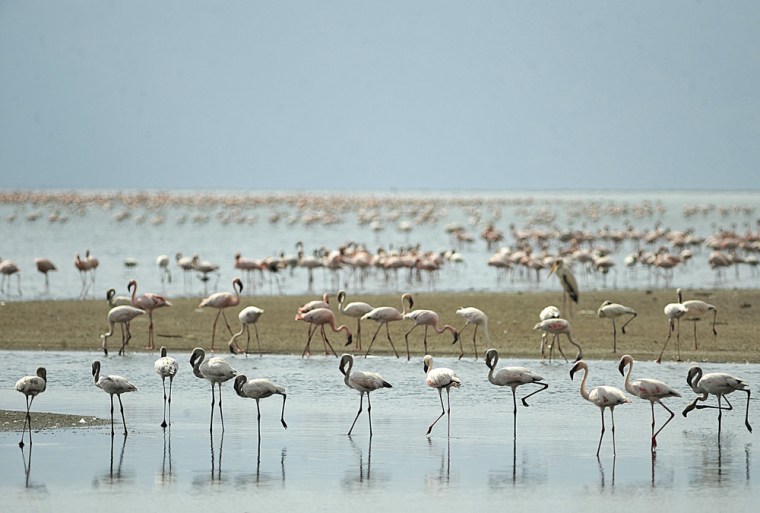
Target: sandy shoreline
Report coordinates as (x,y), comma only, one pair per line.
(11,420)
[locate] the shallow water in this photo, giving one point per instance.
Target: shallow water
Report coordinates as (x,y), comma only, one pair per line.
(313,464)
(224,231)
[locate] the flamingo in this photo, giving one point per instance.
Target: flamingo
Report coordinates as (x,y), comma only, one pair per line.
(568,282)
(220,301)
(429,319)
(81,266)
(512,377)
(165,274)
(356,309)
(385,314)
(321,317)
(216,370)
(550,312)
(248,316)
(112,385)
(259,389)
(8,268)
(122,315)
(612,311)
(166,367)
(695,309)
(31,387)
(45,265)
(557,327)
(651,390)
(477,318)
(603,397)
(147,302)
(187,264)
(440,378)
(674,312)
(718,384)
(363,381)
(313,305)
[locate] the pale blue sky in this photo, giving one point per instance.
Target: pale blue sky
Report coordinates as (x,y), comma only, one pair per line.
(379,95)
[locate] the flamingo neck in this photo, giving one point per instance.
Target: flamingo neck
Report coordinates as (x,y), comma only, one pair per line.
(584,392)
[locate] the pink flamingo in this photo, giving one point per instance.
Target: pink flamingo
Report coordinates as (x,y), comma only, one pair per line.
(123,315)
(429,319)
(220,301)
(321,317)
(312,305)
(44,265)
(147,302)
(386,314)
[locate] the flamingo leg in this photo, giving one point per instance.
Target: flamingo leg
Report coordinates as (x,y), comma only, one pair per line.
(474,342)
(390,341)
(746,419)
(614,337)
(225,321)
(150,330)
(282,413)
(327,342)
(443,412)
(171,380)
(654,435)
(361,399)
(406,337)
(163,382)
(369,415)
(373,338)
(221,414)
(307,349)
(27,420)
(358,346)
(258,341)
(670,333)
(112,430)
(258,419)
(543,386)
(213,329)
(601,434)
(622,328)
(213,400)
(121,409)
(612,415)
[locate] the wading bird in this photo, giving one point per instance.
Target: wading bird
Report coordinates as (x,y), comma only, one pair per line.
(720,385)
(385,314)
(440,378)
(550,312)
(674,312)
(31,387)
(122,315)
(362,381)
(612,311)
(651,390)
(321,317)
(602,397)
(556,327)
(259,389)
(477,318)
(147,302)
(568,282)
(512,377)
(220,301)
(166,367)
(44,265)
(355,309)
(112,385)
(695,310)
(216,370)
(429,319)
(248,317)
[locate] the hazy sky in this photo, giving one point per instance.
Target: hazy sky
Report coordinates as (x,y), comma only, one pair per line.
(379,94)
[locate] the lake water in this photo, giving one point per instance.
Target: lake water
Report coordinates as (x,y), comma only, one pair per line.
(216,225)
(314,466)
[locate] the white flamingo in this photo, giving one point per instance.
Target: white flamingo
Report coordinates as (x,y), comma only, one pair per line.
(31,387)
(512,377)
(558,327)
(612,311)
(602,397)
(113,385)
(674,312)
(440,378)
(718,384)
(122,315)
(259,389)
(216,370)
(248,317)
(166,367)
(651,390)
(385,314)
(550,312)
(695,309)
(362,381)
(355,309)
(477,318)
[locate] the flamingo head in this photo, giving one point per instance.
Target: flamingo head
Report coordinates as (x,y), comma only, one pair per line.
(625,360)
(492,356)
(580,364)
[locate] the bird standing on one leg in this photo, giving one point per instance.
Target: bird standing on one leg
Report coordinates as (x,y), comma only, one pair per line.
(612,311)
(720,385)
